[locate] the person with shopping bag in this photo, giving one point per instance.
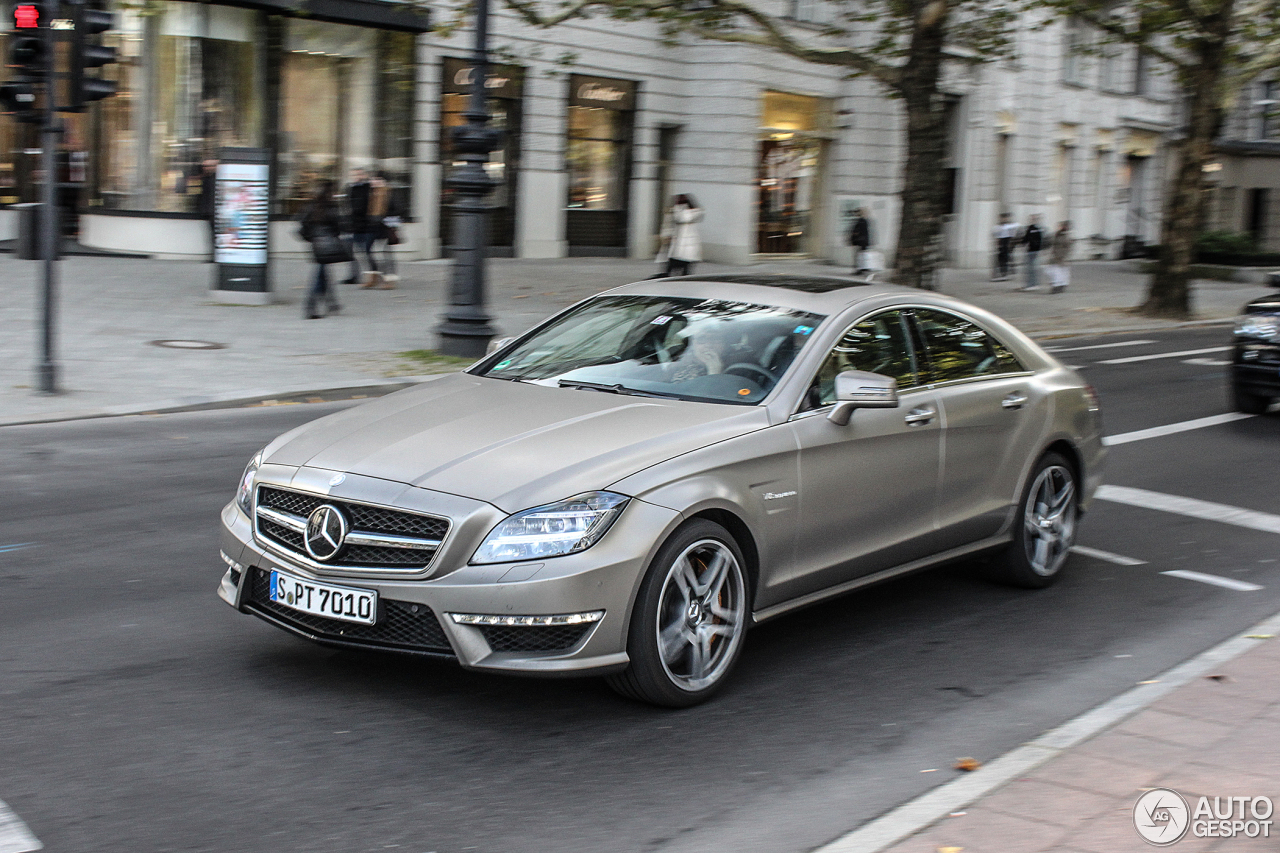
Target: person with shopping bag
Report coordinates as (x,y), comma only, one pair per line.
(860,240)
(321,226)
(1059,257)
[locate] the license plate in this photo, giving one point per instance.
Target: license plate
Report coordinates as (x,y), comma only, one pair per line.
(322,599)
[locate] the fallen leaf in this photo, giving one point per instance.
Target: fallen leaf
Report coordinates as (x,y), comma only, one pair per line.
(1222,679)
(1152,681)
(1260,636)
(958,814)
(930,770)
(968,764)
(950,849)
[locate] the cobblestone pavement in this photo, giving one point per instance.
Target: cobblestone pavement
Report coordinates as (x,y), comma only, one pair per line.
(111,309)
(1218,736)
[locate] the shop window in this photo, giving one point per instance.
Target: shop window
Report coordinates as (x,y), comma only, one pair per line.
(789,170)
(598,162)
(189,82)
(505,88)
(346,102)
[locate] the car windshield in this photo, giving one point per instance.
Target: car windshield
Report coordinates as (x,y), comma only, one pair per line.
(709,350)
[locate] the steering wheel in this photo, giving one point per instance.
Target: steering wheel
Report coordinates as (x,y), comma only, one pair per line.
(749,368)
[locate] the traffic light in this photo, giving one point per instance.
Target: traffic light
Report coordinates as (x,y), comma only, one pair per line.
(26,63)
(86,53)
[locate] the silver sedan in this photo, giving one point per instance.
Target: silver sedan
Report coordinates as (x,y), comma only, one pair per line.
(626,488)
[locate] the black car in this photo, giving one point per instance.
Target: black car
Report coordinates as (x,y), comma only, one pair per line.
(1255,367)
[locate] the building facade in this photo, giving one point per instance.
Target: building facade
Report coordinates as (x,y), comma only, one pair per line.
(602,123)
(1245,179)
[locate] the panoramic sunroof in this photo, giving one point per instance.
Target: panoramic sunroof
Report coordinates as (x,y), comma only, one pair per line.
(790,282)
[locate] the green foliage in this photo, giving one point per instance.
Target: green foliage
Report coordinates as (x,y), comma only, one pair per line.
(1224,243)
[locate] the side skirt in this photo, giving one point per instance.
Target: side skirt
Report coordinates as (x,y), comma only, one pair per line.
(768,613)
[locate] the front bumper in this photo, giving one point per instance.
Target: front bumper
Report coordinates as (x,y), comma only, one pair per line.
(604,577)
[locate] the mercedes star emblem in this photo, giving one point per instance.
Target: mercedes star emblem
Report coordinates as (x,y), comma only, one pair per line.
(326,531)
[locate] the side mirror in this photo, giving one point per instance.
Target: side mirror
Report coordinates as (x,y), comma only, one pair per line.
(497,344)
(857,389)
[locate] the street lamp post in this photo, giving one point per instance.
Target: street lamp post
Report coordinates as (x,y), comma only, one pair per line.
(465,329)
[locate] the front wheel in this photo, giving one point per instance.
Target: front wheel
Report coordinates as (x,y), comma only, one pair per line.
(1045,528)
(689,620)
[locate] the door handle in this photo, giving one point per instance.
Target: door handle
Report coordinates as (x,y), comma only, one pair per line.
(1014,400)
(919,416)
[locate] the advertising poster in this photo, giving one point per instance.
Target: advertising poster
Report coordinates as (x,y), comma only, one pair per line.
(241,214)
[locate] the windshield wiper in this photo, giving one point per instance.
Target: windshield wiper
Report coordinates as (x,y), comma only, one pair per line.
(609,389)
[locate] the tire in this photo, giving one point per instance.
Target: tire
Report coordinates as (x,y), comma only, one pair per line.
(689,620)
(1250,404)
(1045,526)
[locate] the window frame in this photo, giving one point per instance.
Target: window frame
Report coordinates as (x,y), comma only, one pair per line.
(923,345)
(909,335)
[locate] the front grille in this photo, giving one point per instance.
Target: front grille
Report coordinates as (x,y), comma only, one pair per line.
(401,626)
(362,518)
(533,638)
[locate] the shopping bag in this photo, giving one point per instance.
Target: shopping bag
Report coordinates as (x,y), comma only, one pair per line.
(870,259)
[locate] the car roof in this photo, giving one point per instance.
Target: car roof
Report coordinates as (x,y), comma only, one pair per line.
(819,294)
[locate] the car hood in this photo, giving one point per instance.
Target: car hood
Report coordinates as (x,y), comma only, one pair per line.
(511,444)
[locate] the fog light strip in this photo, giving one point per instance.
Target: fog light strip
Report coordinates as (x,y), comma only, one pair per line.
(528,621)
(230,562)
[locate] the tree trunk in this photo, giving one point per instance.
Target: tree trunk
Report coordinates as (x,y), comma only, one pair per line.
(920,232)
(1169,291)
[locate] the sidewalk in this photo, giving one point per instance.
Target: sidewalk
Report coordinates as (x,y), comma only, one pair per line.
(1216,736)
(111,309)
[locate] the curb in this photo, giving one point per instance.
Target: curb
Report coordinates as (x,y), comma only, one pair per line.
(929,808)
(228,400)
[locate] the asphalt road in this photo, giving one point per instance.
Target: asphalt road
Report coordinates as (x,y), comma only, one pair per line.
(140,713)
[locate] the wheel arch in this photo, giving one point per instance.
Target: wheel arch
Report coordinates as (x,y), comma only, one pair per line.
(741,534)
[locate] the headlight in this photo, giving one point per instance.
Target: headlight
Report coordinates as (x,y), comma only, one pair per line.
(1265,327)
(244,494)
(565,527)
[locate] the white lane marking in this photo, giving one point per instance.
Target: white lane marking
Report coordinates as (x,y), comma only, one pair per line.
(1100,346)
(1118,559)
(1170,429)
(14,835)
(1133,358)
(1206,510)
(1215,580)
(1207,362)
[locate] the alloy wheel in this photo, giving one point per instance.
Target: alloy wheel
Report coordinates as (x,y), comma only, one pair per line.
(1049,519)
(701,614)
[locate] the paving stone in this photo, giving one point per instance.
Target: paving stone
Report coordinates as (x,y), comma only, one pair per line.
(1175,728)
(1098,775)
(1208,700)
(1048,802)
(1135,749)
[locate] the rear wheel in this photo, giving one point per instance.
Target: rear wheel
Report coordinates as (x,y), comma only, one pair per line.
(689,619)
(1045,528)
(1248,402)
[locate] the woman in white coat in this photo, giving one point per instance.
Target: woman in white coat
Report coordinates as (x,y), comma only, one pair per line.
(681,238)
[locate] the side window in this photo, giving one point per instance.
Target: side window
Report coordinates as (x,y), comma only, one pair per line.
(959,349)
(876,345)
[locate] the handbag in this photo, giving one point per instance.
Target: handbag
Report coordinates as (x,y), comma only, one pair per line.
(393,236)
(328,248)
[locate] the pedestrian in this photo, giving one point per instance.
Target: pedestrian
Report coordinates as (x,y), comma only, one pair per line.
(205,202)
(359,227)
(321,226)
(1059,257)
(685,247)
(860,240)
(383,222)
(1005,233)
(1033,239)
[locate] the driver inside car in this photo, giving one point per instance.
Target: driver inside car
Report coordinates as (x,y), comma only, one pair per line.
(705,355)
